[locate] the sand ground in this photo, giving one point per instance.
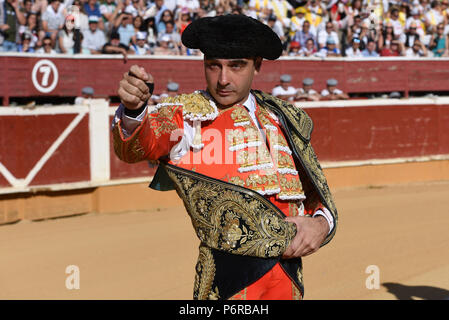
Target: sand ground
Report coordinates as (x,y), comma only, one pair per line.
(401,230)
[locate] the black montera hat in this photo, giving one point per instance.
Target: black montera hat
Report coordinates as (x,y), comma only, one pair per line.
(232,36)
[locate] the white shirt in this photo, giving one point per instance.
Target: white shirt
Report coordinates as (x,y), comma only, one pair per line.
(279,91)
(183,146)
(326,92)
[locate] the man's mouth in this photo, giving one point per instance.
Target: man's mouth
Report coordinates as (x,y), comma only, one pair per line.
(224,92)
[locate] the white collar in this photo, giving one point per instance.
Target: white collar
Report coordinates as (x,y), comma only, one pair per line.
(250,103)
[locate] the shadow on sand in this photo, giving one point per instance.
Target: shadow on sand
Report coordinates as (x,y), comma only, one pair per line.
(403,292)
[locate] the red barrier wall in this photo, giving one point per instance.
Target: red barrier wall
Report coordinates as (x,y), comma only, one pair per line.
(358,132)
(104,73)
(362,133)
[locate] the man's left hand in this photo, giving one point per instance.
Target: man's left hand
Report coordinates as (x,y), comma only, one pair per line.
(310,234)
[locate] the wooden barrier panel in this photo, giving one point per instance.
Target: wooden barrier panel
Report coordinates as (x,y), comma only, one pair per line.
(33,75)
(70,147)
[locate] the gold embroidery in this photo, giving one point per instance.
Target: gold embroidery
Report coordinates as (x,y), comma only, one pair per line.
(234,221)
(237,180)
(205,274)
(296,293)
(214,295)
(285,161)
(130,151)
(195,106)
(240,116)
(236,137)
(256,159)
(162,121)
(241,295)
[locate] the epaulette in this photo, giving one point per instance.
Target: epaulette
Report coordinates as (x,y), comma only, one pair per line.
(197,106)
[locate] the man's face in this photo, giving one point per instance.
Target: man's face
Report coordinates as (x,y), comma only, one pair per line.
(54,4)
(93,26)
(306,26)
(169,28)
(229,80)
(285,84)
(371,46)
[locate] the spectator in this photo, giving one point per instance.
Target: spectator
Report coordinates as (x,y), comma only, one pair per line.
(66,38)
(170,31)
(395,49)
(282,9)
(219,11)
(354,50)
(330,50)
(47,46)
(328,32)
(32,27)
(259,8)
(94,38)
(191,5)
(417,50)
(155,11)
(53,19)
(82,16)
(10,18)
(25,44)
(167,16)
(332,92)
(415,18)
(125,27)
(92,8)
(370,50)
(138,26)
(284,90)
(439,42)
(172,91)
(434,17)
(309,50)
(315,15)
(166,47)
(276,26)
(141,47)
(398,28)
(306,93)
(109,13)
(135,8)
(409,38)
(294,48)
(114,46)
(184,19)
(304,34)
(297,20)
(386,37)
(151,33)
(87,93)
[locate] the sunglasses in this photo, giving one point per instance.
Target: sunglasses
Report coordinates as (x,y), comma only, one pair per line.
(47,43)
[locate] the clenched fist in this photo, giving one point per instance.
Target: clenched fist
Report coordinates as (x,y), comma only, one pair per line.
(133,89)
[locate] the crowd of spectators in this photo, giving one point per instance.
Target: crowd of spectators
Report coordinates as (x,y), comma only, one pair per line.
(321,28)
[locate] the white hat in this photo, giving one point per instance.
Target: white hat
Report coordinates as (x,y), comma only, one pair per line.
(141,35)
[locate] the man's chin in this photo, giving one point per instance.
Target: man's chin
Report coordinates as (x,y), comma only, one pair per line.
(224,101)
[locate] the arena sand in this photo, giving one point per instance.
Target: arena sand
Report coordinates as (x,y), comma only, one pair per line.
(400,230)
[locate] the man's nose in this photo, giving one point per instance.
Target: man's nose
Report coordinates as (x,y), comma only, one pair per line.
(223,77)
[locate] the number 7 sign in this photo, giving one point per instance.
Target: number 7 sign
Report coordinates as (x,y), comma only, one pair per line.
(41,73)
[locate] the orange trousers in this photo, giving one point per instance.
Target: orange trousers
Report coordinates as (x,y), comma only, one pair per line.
(274,285)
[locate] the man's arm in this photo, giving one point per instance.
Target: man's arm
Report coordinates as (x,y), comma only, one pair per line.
(139,135)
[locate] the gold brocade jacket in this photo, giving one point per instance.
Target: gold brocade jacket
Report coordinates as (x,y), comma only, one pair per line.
(237,183)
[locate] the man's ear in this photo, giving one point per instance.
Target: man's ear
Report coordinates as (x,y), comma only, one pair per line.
(258,64)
